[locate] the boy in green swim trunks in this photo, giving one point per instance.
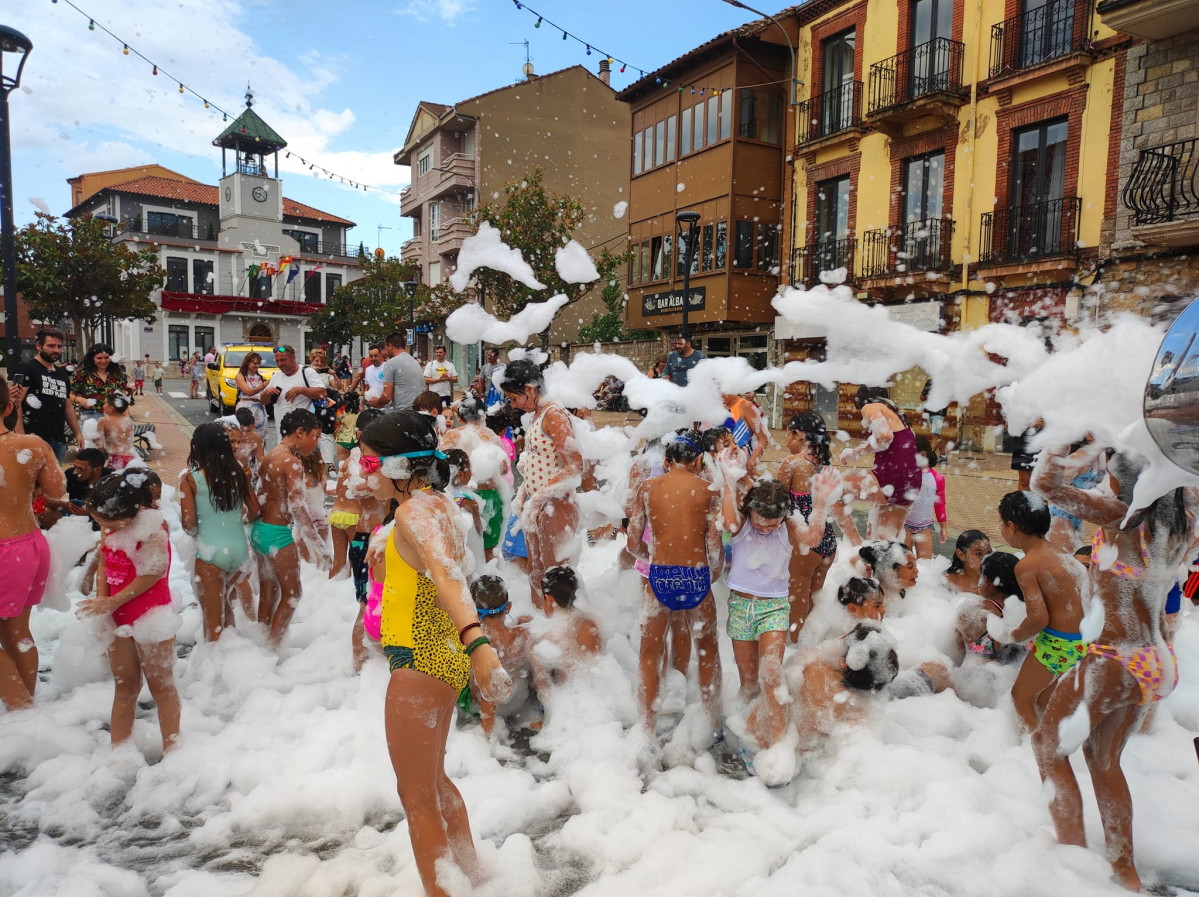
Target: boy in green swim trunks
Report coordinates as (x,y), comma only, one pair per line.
(491,463)
(290,470)
(1053,583)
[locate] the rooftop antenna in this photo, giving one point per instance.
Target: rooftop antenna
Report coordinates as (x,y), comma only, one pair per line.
(527,68)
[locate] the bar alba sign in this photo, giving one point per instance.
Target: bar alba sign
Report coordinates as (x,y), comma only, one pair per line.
(671,302)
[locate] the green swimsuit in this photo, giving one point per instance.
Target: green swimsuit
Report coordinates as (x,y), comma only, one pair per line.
(220,536)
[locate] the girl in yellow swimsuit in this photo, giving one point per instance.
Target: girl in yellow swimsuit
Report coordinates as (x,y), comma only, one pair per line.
(431,636)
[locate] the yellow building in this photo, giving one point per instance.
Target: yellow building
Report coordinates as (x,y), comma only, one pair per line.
(958,160)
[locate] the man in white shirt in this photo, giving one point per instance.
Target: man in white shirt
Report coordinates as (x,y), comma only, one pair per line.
(440,376)
(293,387)
(371,375)
(403,379)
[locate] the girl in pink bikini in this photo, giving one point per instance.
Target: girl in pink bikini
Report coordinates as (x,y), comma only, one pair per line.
(131,586)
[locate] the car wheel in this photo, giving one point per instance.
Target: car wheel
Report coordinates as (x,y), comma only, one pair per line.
(227,410)
(214,403)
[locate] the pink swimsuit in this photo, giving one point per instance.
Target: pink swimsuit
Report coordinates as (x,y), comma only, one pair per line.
(120,572)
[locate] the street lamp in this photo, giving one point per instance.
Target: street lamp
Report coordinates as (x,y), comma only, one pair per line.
(14,50)
(786,37)
(688,230)
(409,287)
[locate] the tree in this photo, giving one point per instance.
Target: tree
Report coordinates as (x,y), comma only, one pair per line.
(538,222)
(609,327)
(75,270)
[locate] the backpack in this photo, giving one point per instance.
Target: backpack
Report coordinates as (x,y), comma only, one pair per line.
(328,409)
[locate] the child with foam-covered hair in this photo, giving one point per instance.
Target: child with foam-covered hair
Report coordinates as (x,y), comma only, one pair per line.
(571,640)
(510,638)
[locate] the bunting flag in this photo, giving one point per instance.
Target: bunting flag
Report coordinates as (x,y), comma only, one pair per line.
(292,271)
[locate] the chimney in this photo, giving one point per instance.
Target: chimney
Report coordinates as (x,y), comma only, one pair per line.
(605,72)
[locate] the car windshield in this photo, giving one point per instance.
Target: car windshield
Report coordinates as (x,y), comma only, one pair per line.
(234,358)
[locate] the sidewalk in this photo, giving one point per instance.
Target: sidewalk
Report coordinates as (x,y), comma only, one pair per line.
(174,434)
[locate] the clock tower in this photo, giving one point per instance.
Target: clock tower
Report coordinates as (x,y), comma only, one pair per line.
(250,190)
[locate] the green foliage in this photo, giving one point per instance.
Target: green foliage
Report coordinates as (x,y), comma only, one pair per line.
(538,222)
(609,327)
(377,303)
(74,270)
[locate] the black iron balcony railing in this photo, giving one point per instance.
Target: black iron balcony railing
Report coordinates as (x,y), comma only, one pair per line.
(1164,184)
(810,261)
(183,229)
(830,112)
(915,246)
(933,67)
(1057,29)
(1031,232)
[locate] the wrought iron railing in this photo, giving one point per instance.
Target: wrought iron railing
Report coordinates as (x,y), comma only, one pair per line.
(1030,232)
(1057,29)
(830,112)
(933,67)
(915,246)
(1164,184)
(182,230)
(820,256)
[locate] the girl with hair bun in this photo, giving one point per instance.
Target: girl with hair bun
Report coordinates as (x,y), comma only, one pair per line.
(430,634)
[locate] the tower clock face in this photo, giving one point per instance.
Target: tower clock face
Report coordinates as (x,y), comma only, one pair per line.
(228,194)
(259,194)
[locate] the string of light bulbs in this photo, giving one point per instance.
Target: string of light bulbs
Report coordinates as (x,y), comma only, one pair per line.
(157,70)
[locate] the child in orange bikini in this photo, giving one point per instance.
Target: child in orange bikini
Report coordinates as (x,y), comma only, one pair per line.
(1131,665)
(115,432)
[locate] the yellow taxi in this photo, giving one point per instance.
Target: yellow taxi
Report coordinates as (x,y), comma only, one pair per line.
(222,374)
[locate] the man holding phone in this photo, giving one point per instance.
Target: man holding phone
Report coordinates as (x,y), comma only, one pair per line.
(43,392)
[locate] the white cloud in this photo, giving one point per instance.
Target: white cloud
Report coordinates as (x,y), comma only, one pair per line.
(446,10)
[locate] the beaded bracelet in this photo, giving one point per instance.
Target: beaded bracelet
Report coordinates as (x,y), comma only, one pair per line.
(481,640)
(466,628)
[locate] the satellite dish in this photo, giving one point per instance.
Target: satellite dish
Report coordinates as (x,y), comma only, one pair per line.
(1172,393)
(527,68)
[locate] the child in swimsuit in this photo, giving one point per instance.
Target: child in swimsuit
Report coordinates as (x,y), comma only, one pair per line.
(1053,584)
(929,507)
(214,492)
(115,432)
(511,640)
(572,639)
(132,590)
(765,533)
(965,567)
(997,582)
(808,442)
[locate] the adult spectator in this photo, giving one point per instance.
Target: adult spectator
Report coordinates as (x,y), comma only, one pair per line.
(210,356)
(250,387)
(45,393)
(680,362)
(97,378)
(292,388)
(371,375)
(486,388)
(86,471)
(403,379)
(440,376)
(194,369)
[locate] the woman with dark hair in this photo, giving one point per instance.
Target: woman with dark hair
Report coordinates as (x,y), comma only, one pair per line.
(427,619)
(894,482)
(213,492)
(965,568)
(97,378)
(1135,554)
(552,468)
(250,385)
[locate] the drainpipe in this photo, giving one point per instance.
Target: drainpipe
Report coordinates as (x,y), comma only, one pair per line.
(978,44)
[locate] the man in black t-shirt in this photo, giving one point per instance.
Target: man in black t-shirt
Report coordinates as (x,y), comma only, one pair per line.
(87,470)
(45,400)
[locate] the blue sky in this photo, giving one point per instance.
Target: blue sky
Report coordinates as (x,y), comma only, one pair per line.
(338,80)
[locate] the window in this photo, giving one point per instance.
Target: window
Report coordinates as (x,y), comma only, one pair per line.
(671,137)
(168,224)
(722,240)
(1046,30)
(924,181)
(832,225)
(178,342)
(726,114)
(635,267)
(645,259)
(932,24)
(660,143)
(836,112)
(1038,208)
(176,274)
(768,239)
(685,133)
(698,143)
(648,153)
(743,244)
(204,339)
(203,280)
(637,153)
(434,273)
(434,222)
(761,116)
(332,283)
(657,272)
(309,241)
(706,248)
(424,163)
(713,119)
(312,287)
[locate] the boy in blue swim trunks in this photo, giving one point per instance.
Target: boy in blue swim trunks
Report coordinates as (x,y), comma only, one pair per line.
(1053,583)
(290,470)
(685,555)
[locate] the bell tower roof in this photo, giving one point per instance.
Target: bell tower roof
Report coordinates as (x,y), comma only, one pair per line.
(248,133)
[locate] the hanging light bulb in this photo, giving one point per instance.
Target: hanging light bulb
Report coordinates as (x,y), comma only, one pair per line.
(126,50)
(658,80)
(206,104)
(537,24)
(91,24)
(589,49)
(518,4)
(563,35)
(181,87)
(622,69)
(155,71)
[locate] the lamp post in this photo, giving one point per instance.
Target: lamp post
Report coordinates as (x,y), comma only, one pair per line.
(14,50)
(786,37)
(688,230)
(410,288)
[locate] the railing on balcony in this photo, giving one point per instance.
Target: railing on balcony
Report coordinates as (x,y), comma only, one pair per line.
(454,229)
(933,67)
(915,246)
(1049,32)
(820,256)
(183,230)
(1031,232)
(830,112)
(1164,185)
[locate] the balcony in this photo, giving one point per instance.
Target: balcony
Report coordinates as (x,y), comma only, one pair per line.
(1030,233)
(451,234)
(820,256)
(410,251)
(1163,194)
(924,80)
(1150,19)
(833,112)
(1054,31)
(178,230)
(915,247)
(455,175)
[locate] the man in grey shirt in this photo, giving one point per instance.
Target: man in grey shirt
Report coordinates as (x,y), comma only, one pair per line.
(403,378)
